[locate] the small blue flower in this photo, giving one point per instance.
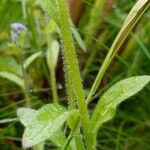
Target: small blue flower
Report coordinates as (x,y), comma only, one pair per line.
(18,27)
(16,30)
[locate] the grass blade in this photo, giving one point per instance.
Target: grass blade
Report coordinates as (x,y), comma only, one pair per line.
(130,22)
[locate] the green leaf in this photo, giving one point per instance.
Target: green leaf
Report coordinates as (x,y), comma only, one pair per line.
(9,64)
(52,55)
(72,119)
(39,146)
(58,138)
(140,5)
(12,77)
(31,59)
(79,142)
(26,115)
(131,20)
(107,105)
(78,38)
(44,124)
(8,120)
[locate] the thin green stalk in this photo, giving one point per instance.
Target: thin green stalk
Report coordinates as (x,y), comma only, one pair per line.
(132,19)
(40,62)
(24,9)
(25,79)
(51,65)
(73,73)
(53,85)
(118,138)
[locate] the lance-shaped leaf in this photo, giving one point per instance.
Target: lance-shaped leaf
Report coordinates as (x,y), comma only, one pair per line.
(26,116)
(12,77)
(8,120)
(44,124)
(52,55)
(108,103)
(78,38)
(31,59)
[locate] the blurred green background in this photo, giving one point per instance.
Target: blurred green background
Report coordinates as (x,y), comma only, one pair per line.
(98,23)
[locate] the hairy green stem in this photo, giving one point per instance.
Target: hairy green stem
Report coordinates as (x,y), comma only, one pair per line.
(70,93)
(69,87)
(73,73)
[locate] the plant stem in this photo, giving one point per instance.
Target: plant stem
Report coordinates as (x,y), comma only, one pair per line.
(24,9)
(71,97)
(53,85)
(73,73)
(69,87)
(69,138)
(51,66)
(25,78)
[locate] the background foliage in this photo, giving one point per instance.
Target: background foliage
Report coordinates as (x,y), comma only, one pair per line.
(98,28)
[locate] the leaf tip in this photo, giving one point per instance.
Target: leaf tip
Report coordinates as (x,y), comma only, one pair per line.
(27,143)
(19,112)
